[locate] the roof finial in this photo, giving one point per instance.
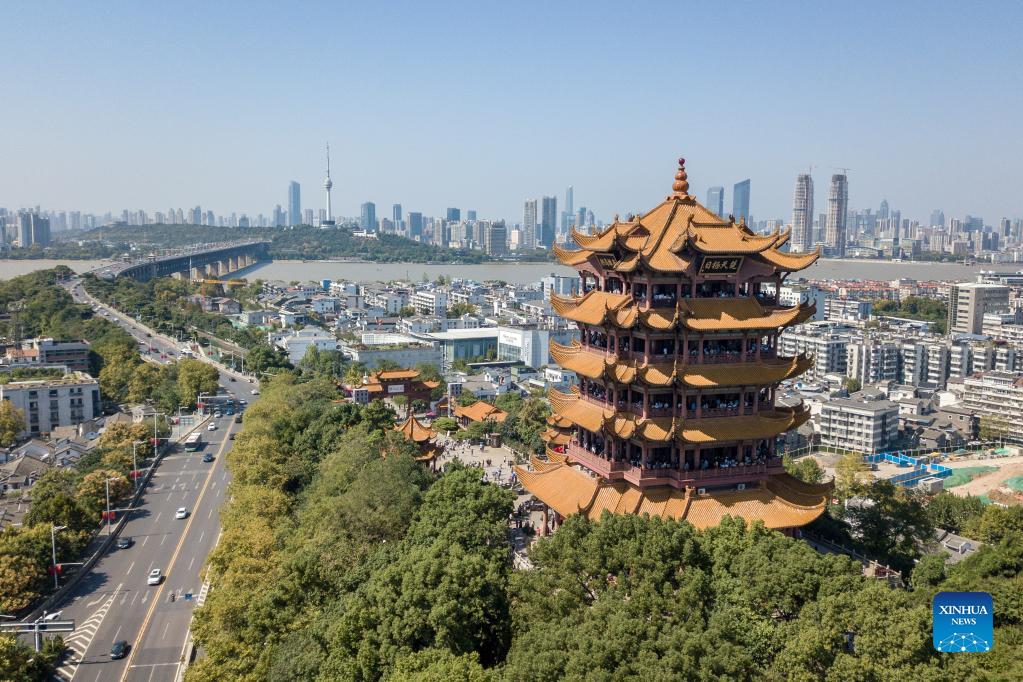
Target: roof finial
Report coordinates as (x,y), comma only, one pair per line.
(681,186)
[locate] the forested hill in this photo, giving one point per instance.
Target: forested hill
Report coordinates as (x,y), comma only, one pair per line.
(338,564)
(302,242)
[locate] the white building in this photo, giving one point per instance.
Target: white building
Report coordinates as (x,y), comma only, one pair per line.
(862,422)
(50,403)
(870,361)
(996,397)
(825,342)
(430,302)
(297,343)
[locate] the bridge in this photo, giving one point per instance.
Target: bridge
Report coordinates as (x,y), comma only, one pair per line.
(215,260)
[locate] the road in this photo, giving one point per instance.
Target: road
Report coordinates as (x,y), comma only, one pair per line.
(114,602)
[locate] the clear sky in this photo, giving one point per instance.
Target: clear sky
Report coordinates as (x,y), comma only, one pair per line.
(483,104)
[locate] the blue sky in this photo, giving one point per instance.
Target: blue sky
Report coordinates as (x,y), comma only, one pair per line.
(481,105)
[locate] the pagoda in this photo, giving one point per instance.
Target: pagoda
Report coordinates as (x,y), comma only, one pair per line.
(392,383)
(676,412)
(422,436)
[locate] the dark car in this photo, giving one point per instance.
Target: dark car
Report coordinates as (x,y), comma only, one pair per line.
(231,436)
(119,649)
(238,419)
(207,457)
(124,543)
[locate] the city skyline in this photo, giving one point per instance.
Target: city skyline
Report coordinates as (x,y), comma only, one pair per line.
(462,140)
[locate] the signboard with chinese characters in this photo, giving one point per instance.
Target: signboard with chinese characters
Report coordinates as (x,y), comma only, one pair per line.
(396,388)
(720,265)
(606,260)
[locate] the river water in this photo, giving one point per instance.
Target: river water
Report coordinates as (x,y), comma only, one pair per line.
(525,273)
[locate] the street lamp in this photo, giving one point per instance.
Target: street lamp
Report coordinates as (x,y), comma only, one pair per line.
(107,481)
(53,543)
(134,461)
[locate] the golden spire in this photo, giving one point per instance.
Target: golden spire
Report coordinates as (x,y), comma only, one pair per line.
(681,185)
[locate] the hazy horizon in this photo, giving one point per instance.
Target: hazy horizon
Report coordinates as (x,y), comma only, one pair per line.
(482,107)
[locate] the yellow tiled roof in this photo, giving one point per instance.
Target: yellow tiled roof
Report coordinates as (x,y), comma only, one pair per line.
(595,365)
(790,261)
(780,502)
(481,411)
(763,425)
(415,431)
(661,237)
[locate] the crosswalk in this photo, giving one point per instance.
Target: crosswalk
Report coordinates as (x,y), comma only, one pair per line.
(203,591)
(78,642)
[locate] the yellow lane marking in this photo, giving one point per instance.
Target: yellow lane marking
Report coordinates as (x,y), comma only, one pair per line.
(170,567)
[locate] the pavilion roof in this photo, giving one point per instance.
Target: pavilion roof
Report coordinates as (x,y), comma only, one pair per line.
(481,411)
(672,235)
(627,425)
(596,365)
(415,430)
(698,314)
(779,502)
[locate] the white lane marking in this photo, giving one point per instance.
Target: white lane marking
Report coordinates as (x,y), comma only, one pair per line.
(210,515)
(163,539)
(145,596)
(191,562)
(79,641)
(145,540)
(157,519)
(133,599)
(131,566)
(202,535)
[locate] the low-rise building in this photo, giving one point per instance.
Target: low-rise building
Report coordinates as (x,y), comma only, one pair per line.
(49,403)
(863,422)
(400,349)
(73,354)
(298,342)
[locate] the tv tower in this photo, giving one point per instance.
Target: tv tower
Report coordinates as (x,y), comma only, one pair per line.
(328,185)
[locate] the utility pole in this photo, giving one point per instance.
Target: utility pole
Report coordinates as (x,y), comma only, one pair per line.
(108,502)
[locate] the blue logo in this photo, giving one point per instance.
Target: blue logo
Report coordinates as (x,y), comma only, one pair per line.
(963,622)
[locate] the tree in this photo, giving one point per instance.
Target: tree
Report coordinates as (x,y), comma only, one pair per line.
(852,384)
(146,378)
(850,471)
(55,501)
(928,572)
(890,523)
(93,488)
(806,469)
(19,582)
(378,415)
(445,424)
(262,358)
(195,377)
(407,311)
(12,423)
(467,398)
(952,512)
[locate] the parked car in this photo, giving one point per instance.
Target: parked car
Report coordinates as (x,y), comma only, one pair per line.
(154,577)
(119,649)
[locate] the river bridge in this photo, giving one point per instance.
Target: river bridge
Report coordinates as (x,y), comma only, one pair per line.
(210,261)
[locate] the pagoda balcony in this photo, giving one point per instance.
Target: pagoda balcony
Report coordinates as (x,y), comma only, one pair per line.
(596,462)
(722,412)
(649,477)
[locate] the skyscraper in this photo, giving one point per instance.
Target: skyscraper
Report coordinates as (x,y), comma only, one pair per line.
(937,218)
(368,221)
(716,200)
(396,214)
(495,238)
(295,204)
(415,226)
(278,216)
(454,215)
(568,214)
(470,214)
(802,214)
(529,236)
(548,221)
(740,200)
(882,212)
(838,203)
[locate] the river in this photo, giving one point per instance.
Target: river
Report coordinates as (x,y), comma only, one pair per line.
(525,273)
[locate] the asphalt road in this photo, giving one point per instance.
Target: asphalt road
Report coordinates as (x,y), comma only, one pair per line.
(114,602)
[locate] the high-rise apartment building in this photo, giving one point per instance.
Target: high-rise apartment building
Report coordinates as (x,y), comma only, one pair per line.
(32,229)
(308,216)
(740,200)
(470,214)
(368,219)
(548,221)
(968,303)
(802,214)
(495,238)
(937,218)
(278,216)
(294,204)
(568,214)
(716,200)
(454,215)
(838,204)
(396,214)
(529,224)
(415,226)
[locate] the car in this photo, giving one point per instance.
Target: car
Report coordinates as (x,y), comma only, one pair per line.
(124,542)
(255,391)
(212,426)
(148,335)
(208,457)
(230,378)
(154,577)
(181,513)
(52,616)
(218,414)
(230,436)
(119,649)
(238,419)
(229,411)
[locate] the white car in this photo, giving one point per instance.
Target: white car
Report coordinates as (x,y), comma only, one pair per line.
(154,577)
(181,513)
(255,391)
(212,426)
